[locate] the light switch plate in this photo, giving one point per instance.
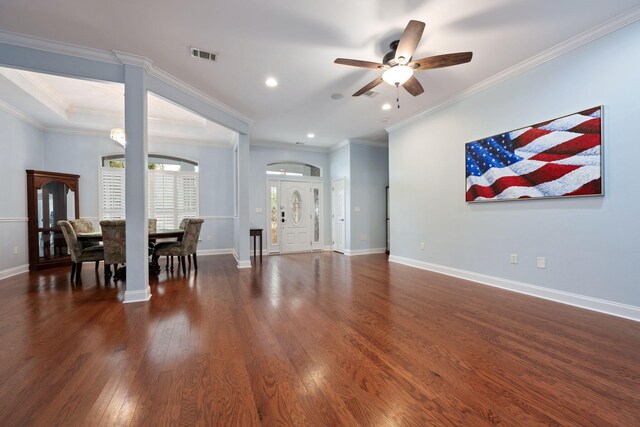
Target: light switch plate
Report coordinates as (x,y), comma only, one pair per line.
(258,210)
(356,209)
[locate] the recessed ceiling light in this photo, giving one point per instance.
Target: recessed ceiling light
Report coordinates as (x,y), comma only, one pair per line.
(386,106)
(311,135)
(271,82)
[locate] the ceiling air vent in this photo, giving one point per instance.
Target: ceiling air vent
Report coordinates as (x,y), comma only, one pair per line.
(371,94)
(202,54)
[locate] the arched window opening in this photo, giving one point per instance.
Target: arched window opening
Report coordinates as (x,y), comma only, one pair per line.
(172,184)
(293,169)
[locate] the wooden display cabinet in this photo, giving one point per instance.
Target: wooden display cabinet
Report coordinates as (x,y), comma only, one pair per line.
(51,197)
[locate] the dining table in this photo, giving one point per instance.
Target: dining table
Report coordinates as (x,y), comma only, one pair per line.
(154,267)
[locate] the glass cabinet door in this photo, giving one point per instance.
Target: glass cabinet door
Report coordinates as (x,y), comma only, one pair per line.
(55,202)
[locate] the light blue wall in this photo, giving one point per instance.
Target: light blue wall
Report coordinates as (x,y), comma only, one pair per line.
(590,244)
(21,148)
(216,177)
(260,157)
(369,179)
(340,161)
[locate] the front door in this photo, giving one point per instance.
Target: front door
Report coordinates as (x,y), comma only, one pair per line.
(295,216)
(337,214)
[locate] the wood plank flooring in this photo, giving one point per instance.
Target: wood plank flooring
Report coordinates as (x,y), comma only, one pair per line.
(310,339)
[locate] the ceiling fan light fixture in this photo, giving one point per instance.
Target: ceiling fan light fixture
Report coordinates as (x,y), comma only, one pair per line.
(397,75)
(271,82)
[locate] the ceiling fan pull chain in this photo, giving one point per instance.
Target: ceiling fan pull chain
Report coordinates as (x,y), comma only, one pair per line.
(398,95)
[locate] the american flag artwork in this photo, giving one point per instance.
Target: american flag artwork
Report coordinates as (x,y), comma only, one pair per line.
(557,158)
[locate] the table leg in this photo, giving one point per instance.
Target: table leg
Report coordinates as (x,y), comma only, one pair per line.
(261,248)
(255,254)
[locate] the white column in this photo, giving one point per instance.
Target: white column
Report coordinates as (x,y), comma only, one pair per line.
(243,202)
(135,112)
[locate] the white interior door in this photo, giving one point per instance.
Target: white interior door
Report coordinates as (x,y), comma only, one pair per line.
(295,216)
(337,214)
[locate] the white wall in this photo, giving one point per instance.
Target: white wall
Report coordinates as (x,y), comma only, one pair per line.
(369,179)
(260,157)
(365,169)
(80,154)
(590,244)
(340,161)
(21,148)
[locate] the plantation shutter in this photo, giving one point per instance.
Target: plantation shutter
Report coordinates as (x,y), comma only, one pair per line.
(172,196)
(112,196)
(164,198)
(187,195)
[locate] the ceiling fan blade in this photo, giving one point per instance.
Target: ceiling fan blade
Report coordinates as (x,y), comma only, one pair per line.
(409,41)
(369,86)
(358,63)
(440,61)
(413,86)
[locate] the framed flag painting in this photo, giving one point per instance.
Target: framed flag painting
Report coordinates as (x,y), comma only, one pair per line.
(556,158)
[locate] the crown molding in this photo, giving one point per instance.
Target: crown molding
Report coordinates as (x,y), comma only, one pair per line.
(9,109)
(119,58)
(39,43)
(339,145)
(38,89)
(379,144)
(187,88)
(575,42)
(289,146)
(135,60)
(156,139)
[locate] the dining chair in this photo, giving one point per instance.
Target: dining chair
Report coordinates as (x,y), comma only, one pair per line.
(77,252)
(182,226)
(84,225)
(188,245)
(114,240)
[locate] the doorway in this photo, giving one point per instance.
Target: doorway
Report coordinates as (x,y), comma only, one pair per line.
(294,216)
(338,215)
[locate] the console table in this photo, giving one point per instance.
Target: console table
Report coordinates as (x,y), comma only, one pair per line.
(256,232)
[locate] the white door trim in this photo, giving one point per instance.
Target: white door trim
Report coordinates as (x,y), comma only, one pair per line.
(334,229)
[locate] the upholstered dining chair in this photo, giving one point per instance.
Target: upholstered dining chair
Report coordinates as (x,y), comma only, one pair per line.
(182,226)
(77,252)
(114,241)
(188,245)
(84,225)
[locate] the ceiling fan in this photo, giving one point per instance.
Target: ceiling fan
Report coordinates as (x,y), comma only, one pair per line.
(398,65)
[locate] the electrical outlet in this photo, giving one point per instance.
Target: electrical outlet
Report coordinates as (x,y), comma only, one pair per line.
(541,262)
(363,237)
(15,250)
(514,258)
(208,237)
(422,246)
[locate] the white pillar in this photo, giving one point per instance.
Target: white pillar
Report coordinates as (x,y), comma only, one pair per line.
(243,202)
(135,112)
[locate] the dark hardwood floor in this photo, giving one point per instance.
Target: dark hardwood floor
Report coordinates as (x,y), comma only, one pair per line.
(309,339)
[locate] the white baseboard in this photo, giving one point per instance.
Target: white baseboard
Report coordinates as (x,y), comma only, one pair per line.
(369,251)
(327,249)
(207,252)
(241,263)
(595,304)
(137,296)
(13,271)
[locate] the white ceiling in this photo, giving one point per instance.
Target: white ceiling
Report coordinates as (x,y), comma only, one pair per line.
(56,103)
(296,42)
